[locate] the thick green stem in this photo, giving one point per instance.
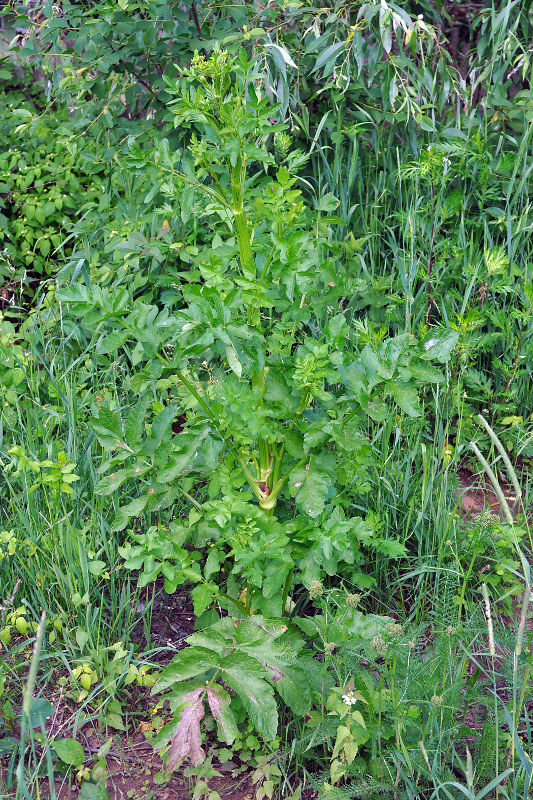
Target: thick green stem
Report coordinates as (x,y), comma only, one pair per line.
(238,178)
(245,246)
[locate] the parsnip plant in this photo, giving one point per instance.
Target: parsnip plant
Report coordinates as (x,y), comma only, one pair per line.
(257,371)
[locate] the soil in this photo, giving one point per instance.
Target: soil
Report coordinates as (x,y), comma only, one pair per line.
(133,766)
(171,622)
(477,495)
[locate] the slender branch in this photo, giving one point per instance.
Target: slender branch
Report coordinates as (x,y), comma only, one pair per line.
(196,20)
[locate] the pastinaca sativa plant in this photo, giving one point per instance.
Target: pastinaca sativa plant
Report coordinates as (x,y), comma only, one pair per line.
(250,403)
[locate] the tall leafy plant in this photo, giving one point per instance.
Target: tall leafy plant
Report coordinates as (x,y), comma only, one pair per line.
(259,356)
(256,372)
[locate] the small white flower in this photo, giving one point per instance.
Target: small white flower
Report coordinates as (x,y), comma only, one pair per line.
(349,699)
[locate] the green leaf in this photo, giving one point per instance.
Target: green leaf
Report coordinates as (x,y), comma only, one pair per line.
(438,344)
(246,677)
(280,52)
(96,567)
(376,363)
(188,663)
(329,56)
(406,396)
(82,637)
(8,745)
(212,564)
(124,514)
(112,342)
(421,371)
(327,202)
(293,687)
(69,751)
(135,423)
(40,711)
(202,596)
(161,428)
(93,791)
(220,705)
(107,428)
(233,360)
(114,720)
(310,485)
(179,461)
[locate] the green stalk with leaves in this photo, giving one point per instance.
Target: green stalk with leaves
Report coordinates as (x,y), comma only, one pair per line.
(258,363)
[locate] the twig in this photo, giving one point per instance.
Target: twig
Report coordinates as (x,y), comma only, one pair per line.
(196,20)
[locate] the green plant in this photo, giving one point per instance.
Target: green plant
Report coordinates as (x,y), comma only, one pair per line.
(289,413)
(44,183)
(279,434)
(252,658)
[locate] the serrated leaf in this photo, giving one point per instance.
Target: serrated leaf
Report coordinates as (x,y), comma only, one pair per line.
(246,677)
(161,428)
(220,705)
(374,362)
(310,485)
(293,687)
(202,597)
(186,740)
(421,371)
(179,461)
(438,344)
(406,396)
(107,428)
(134,425)
(112,342)
(188,663)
